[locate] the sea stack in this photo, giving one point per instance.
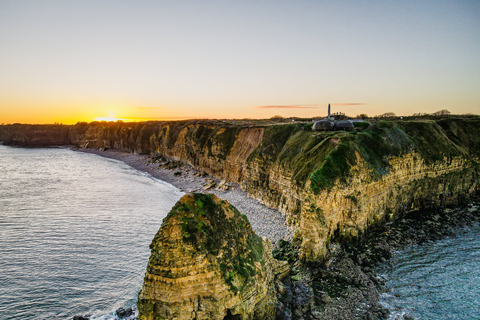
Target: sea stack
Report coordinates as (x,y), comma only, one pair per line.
(207,263)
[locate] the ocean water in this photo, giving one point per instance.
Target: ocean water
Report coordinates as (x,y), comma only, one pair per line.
(75,230)
(437,280)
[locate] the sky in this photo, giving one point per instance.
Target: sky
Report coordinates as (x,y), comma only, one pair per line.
(67,61)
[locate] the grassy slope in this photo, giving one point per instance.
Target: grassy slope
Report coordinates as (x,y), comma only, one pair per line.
(326,157)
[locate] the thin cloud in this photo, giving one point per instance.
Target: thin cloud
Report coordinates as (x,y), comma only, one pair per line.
(289,107)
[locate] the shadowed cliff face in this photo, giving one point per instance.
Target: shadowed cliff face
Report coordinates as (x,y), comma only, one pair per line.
(331,185)
(206,262)
(35,135)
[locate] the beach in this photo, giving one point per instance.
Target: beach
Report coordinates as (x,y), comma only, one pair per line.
(266,222)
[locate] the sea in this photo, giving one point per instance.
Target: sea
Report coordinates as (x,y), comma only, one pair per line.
(437,280)
(75,230)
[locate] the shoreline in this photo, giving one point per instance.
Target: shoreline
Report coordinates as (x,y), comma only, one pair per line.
(350,284)
(266,222)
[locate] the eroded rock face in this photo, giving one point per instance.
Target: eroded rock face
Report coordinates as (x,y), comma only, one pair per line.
(207,263)
(30,135)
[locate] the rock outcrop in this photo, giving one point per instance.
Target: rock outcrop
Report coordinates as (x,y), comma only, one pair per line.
(207,263)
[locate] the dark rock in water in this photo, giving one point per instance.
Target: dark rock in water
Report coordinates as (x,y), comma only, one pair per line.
(123,313)
(120,312)
(81,317)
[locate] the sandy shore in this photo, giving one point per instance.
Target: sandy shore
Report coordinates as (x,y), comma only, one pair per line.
(265,222)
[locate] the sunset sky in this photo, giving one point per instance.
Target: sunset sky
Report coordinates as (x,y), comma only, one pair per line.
(67,61)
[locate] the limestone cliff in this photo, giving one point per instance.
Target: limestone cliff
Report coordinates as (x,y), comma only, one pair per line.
(221,149)
(207,263)
(334,185)
(331,185)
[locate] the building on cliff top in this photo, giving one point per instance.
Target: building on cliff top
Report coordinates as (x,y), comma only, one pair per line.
(330,124)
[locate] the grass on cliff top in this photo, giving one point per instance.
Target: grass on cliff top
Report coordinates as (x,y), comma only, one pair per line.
(302,153)
(232,241)
(274,138)
(336,165)
(386,139)
(465,133)
(430,140)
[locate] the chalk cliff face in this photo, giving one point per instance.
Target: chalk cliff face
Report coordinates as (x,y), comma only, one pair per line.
(331,185)
(207,263)
(215,147)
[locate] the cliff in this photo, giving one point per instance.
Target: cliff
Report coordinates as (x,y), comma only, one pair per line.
(31,135)
(331,185)
(207,263)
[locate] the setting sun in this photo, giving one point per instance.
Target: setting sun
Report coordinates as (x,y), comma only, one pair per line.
(111,116)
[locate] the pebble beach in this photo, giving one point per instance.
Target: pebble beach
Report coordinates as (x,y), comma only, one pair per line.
(266,222)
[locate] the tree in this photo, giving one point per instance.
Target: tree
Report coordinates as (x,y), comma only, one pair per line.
(362,116)
(443,112)
(277,117)
(387,115)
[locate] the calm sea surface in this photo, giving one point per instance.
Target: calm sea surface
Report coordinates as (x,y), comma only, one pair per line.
(438,280)
(74,232)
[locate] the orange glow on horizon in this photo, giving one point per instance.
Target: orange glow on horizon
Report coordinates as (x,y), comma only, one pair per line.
(111,117)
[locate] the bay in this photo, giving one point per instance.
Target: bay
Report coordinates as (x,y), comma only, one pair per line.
(75,230)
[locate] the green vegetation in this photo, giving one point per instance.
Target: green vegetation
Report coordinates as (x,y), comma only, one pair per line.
(362,125)
(336,165)
(274,138)
(465,133)
(303,152)
(287,251)
(326,157)
(226,139)
(308,126)
(232,241)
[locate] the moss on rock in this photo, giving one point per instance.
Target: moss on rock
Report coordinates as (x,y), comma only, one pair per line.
(206,261)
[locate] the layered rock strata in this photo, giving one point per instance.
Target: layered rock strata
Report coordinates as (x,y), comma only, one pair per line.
(207,263)
(331,185)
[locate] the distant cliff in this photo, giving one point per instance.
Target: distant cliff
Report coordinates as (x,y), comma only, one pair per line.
(33,135)
(331,185)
